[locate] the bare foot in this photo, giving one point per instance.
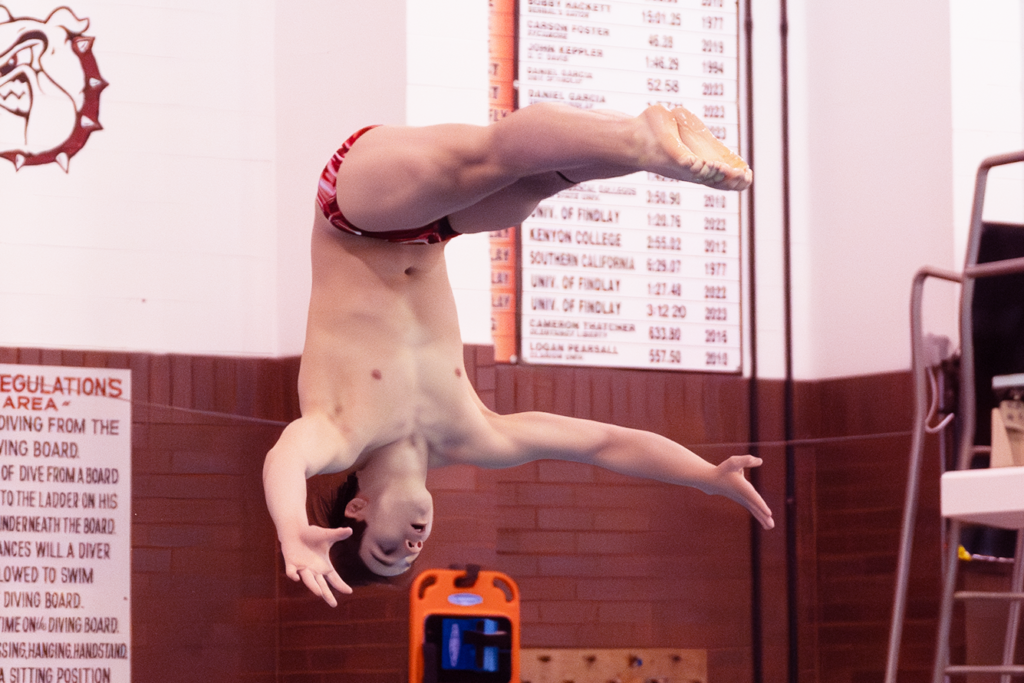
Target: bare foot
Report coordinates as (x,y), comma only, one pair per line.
(696,155)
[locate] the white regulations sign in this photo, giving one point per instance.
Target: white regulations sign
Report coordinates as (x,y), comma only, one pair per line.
(640,271)
(65,524)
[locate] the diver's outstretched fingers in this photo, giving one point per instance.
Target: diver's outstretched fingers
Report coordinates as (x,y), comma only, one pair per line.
(325,591)
(741,462)
(735,485)
(334,578)
(332,536)
(317,585)
(308,577)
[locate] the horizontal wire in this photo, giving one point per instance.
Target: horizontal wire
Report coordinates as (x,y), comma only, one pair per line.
(805,442)
(732,444)
(212,413)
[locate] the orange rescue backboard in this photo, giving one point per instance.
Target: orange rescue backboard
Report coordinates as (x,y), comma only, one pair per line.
(463,627)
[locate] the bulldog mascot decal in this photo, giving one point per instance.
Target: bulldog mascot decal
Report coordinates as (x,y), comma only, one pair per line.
(49,88)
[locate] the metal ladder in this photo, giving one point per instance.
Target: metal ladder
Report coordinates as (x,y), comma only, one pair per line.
(965,451)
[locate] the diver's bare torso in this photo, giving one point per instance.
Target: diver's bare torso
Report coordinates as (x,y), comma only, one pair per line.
(383,360)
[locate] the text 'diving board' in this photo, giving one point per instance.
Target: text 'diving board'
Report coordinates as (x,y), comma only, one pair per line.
(65,524)
(641,271)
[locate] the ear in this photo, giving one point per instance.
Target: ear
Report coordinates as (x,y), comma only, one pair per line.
(5,16)
(356,509)
(67,20)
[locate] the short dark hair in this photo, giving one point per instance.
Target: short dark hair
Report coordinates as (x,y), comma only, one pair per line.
(326,500)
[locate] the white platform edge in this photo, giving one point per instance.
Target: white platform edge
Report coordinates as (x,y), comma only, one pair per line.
(994,497)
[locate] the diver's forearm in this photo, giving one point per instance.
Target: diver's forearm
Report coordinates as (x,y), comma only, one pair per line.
(284,486)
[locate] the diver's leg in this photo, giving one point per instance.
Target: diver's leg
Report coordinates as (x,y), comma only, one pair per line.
(396,178)
(510,205)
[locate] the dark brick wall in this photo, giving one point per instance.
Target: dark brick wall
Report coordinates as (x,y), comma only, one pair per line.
(608,561)
(850,496)
(204,598)
(602,560)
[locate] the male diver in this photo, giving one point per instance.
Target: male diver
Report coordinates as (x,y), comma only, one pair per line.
(382,387)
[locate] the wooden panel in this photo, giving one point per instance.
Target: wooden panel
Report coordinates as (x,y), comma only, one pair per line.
(638,665)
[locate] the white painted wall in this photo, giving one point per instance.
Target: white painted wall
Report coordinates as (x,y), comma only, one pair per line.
(159,237)
(344,65)
(988,114)
(339,66)
(767,193)
(183,226)
(872,172)
(447,66)
(893,105)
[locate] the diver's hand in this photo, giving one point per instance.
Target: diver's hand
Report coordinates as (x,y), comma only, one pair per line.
(307,558)
(728,480)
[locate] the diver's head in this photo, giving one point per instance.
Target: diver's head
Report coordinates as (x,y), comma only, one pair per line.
(398,521)
(331,507)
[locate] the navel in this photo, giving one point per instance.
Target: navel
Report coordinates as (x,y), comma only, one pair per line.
(376,374)
(458,372)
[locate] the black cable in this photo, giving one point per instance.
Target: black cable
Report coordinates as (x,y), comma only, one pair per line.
(753,396)
(792,597)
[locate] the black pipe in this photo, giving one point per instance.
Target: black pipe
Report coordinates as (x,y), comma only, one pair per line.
(753,399)
(792,603)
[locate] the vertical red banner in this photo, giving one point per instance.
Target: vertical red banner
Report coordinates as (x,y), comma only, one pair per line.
(503,243)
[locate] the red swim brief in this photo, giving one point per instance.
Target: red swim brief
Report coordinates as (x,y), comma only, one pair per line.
(327,198)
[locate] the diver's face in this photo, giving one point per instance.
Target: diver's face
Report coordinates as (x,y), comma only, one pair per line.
(395,533)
